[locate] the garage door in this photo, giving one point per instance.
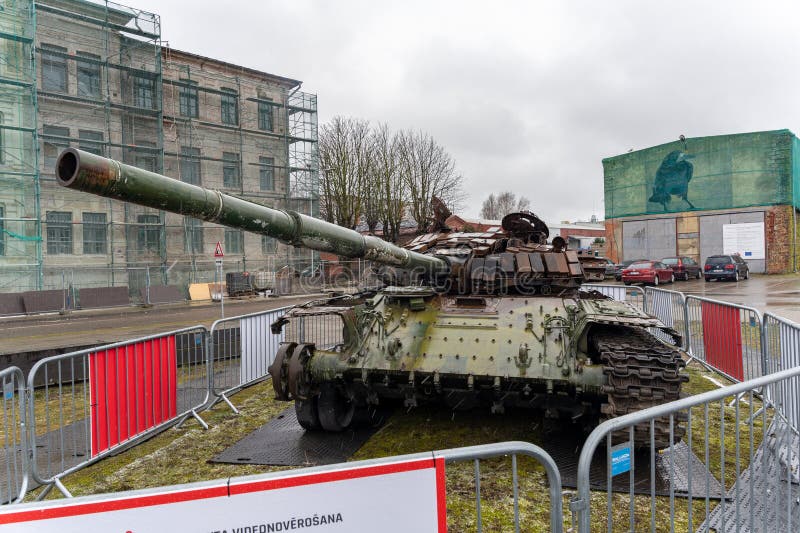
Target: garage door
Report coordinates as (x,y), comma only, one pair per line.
(711,235)
(649,239)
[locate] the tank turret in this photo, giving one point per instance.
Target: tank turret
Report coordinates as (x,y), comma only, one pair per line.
(492,318)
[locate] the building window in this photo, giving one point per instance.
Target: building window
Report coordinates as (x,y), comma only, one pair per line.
(188,99)
(269,245)
(55,139)
(144,158)
(94,233)
(231,177)
(190,165)
(143,92)
(265,116)
(234,241)
(59,232)
(91,141)
(229,105)
(266,173)
(192,235)
(88,75)
(54,68)
(148,236)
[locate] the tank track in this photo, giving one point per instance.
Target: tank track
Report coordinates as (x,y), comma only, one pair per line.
(641,372)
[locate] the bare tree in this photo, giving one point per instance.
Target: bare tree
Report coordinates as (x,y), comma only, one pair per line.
(496,207)
(390,189)
(345,153)
(428,170)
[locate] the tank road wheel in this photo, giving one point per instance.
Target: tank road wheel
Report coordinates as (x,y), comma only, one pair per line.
(335,410)
(307,413)
(279,371)
(296,379)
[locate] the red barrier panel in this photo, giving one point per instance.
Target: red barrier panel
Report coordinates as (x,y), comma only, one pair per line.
(132,388)
(722,338)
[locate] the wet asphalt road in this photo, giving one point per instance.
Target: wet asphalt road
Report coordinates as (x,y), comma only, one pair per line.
(778,294)
(101,326)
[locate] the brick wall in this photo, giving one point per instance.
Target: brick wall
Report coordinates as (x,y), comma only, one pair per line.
(778,229)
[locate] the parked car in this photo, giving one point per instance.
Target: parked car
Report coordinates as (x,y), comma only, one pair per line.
(653,272)
(622,266)
(683,267)
(731,267)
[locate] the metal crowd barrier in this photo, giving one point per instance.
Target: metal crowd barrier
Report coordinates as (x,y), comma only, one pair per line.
(514,449)
(14,458)
(324,330)
(90,403)
(634,295)
(781,347)
(667,306)
(725,336)
(734,468)
(242,348)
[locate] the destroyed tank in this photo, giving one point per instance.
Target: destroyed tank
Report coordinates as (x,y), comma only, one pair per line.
(493,318)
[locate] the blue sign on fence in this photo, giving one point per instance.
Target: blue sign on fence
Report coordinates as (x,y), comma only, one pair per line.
(621,458)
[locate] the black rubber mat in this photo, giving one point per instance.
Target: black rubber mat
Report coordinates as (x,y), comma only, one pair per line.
(282,442)
(565,450)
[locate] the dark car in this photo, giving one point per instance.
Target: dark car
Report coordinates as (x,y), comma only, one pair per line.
(683,267)
(731,267)
(653,272)
(622,266)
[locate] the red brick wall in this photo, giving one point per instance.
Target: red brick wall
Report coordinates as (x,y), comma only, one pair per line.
(613,235)
(778,229)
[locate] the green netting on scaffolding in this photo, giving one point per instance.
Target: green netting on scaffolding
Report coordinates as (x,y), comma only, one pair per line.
(704,173)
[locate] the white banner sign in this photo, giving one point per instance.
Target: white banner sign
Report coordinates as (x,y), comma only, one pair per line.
(395,497)
(746,240)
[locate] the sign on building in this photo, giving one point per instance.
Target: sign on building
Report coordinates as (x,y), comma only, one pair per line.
(745,239)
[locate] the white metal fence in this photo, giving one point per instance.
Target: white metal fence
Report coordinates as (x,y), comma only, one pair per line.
(633,295)
(667,306)
(734,469)
(87,404)
(242,347)
(725,336)
(781,343)
(14,458)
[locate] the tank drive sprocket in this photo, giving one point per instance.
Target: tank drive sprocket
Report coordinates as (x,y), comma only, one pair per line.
(641,372)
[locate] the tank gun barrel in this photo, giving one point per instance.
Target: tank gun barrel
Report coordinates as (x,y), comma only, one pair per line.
(109,178)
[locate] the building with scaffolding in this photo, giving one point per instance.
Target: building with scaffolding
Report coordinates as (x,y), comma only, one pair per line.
(97,76)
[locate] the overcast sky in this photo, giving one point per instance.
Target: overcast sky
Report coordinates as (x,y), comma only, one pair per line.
(527,96)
